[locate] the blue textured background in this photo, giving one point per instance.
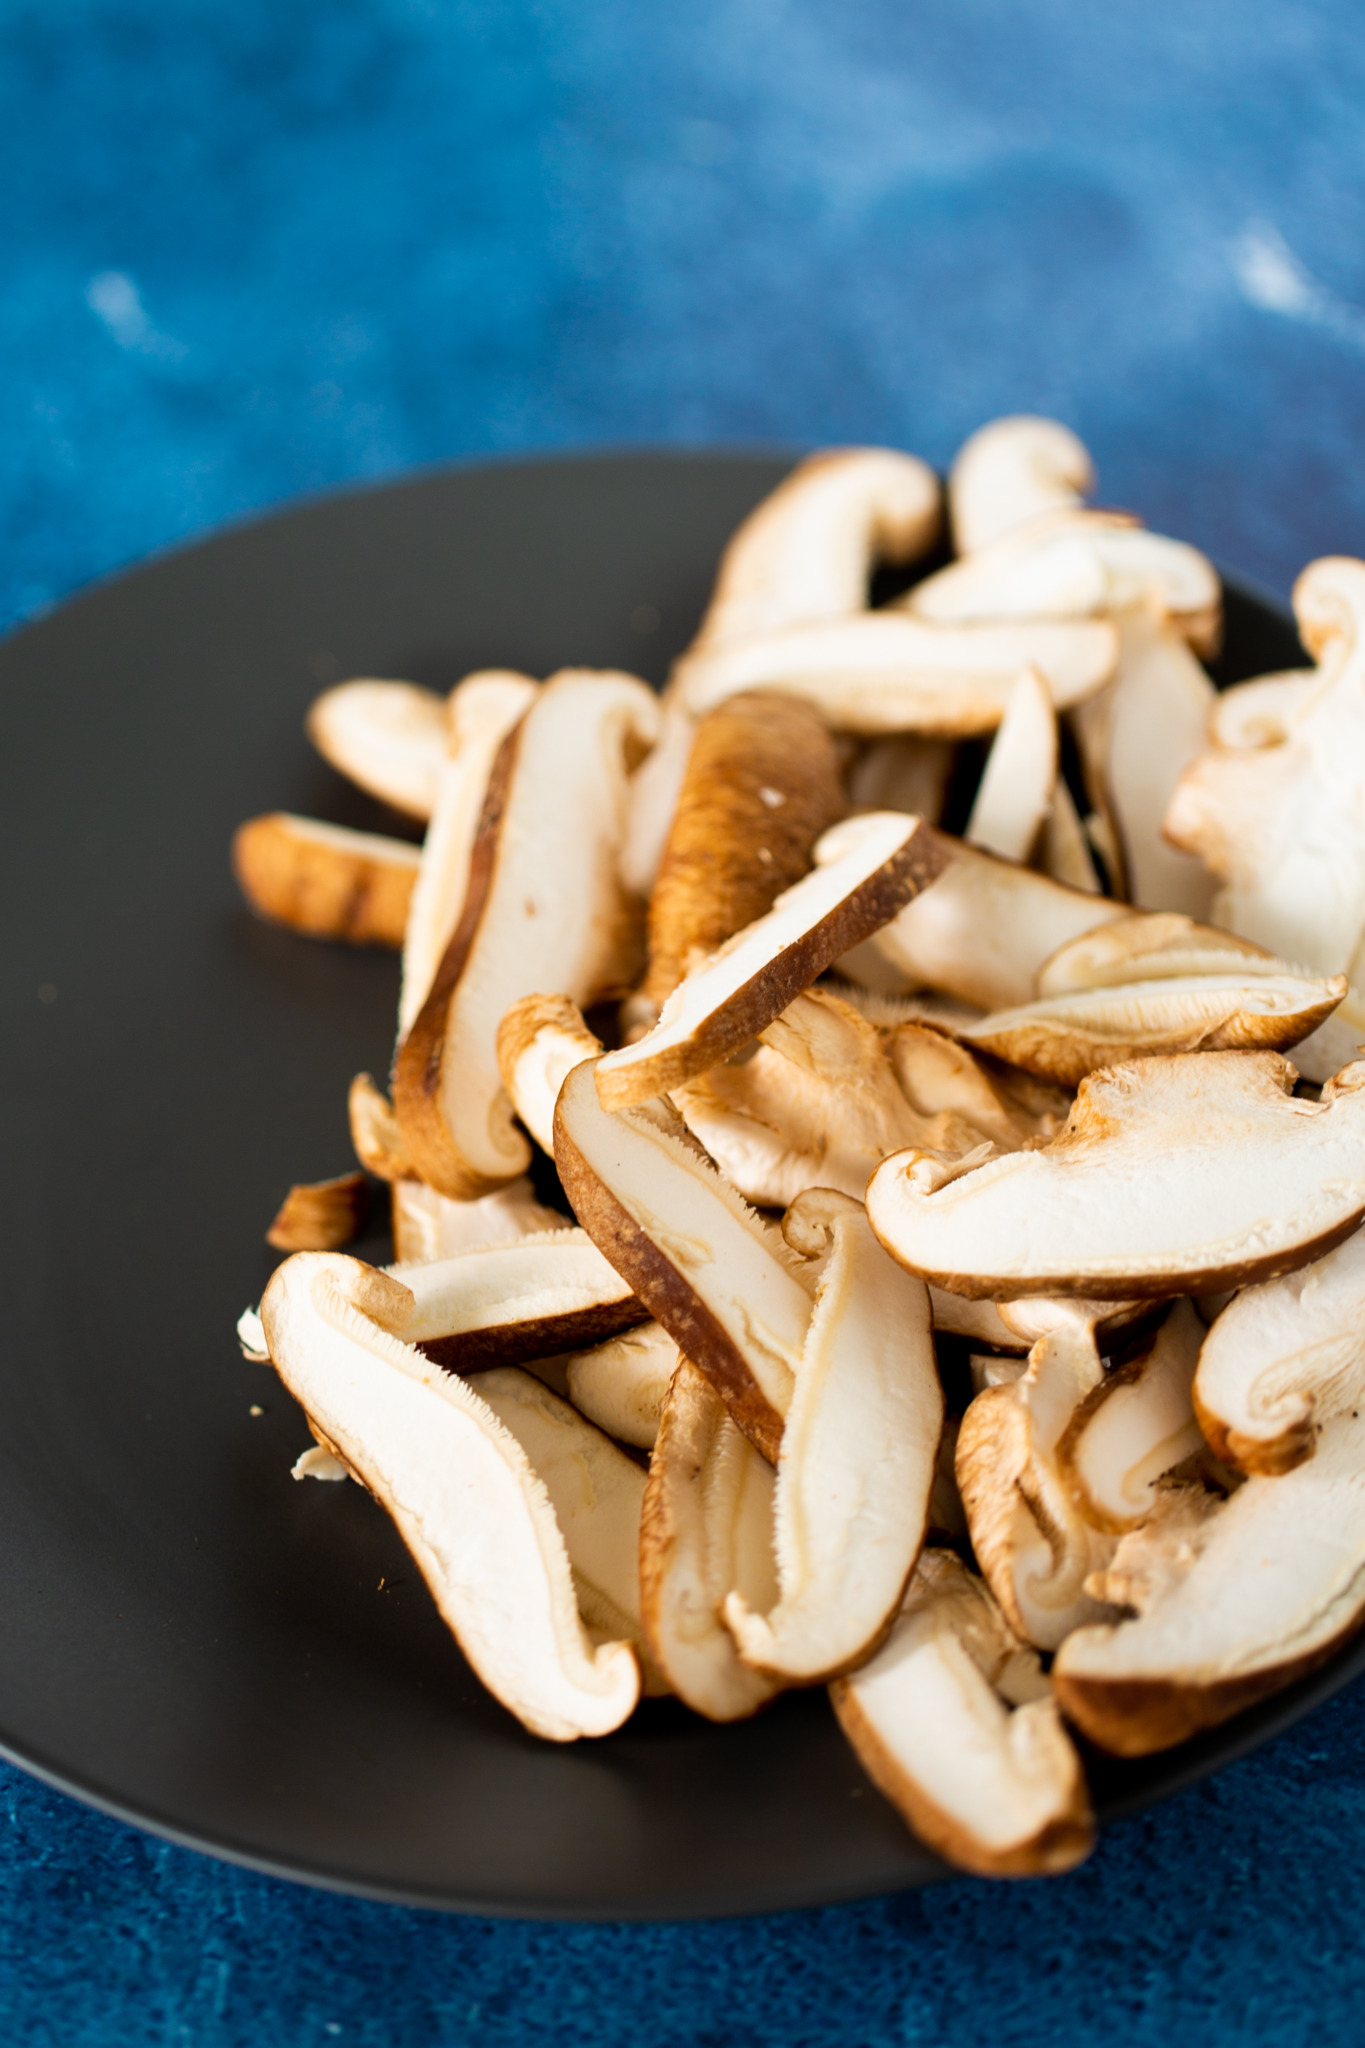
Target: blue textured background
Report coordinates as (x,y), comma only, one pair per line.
(248,251)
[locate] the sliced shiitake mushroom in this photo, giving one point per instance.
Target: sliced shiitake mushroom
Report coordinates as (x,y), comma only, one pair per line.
(459,1487)
(903,772)
(1014,470)
(428,1226)
(374,1130)
(1017,784)
(1172,1176)
(1150,946)
(720,1280)
(705,1532)
(540,1042)
(325,880)
(858,1455)
(388,738)
(544,911)
(320,1215)
(621,1384)
(953,1722)
(502,1304)
(866,868)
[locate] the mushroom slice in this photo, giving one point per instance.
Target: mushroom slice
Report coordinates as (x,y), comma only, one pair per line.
(1150,946)
(1281,825)
(1013,470)
(984,929)
(1236,1597)
(953,1723)
(978,1321)
(1066,854)
(540,1042)
(942,1079)
(902,772)
(504,1303)
(652,798)
(1262,712)
(858,1454)
(325,880)
(388,738)
(320,1215)
(596,1492)
(1137,1426)
(866,868)
(1020,774)
(720,1280)
(374,1130)
(1137,738)
(621,1385)
(428,1226)
(762,785)
(1173,1176)
(808,551)
(1064,1038)
(1076,564)
(705,1532)
(459,1487)
(481,711)
(884,671)
(544,911)
(1278,1356)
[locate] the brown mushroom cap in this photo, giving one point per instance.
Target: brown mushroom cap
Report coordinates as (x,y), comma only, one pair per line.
(1176,1175)
(325,880)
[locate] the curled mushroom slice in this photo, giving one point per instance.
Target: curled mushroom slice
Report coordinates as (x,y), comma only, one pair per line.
(1013,470)
(952,1721)
(705,1532)
(808,551)
(720,1280)
(320,1215)
(1262,712)
(884,671)
(1136,1427)
(858,1455)
(374,1130)
(1064,1038)
(596,1492)
(1150,947)
(621,1385)
(388,738)
(1076,564)
(544,911)
(481,711)
(1137,738)
(902,772)
(866,868)
(983,930)
(1020,773)
(504,1303)
(941,1079)
(1173,1176)
(325,880)
(1277,1356)
(540,1042)
(477,1520)
(428,1226)
(762,785)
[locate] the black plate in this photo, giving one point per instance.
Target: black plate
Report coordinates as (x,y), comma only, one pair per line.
(191,1640)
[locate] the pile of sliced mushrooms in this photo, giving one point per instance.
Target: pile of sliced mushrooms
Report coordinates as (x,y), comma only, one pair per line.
(864,1123)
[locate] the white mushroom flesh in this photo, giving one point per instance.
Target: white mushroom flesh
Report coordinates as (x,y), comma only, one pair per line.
(388,738)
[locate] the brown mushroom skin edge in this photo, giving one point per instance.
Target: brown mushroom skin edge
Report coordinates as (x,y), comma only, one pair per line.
(1258,1457)
(539,1337)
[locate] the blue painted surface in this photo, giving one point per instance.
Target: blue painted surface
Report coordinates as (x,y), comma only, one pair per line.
(253,251)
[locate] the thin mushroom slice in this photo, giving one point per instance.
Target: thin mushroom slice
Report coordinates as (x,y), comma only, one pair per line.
(901,772)
(705,1532)
(858,1456)
(325,880)
(321,1215)
(1020,775)
(1278,1357)
(540,1042)
(460,1489)
(544,911)
(481,711)
(374,1130)
(1173,1176)
(652,798)
(428,1226)
(1064,1038)
(596,1492)
(808,551)
(942,1079)
(1066,854)
(952,1721)
(1150,946)
(1262,712)
(983,931)
(388,738)
(720,1280)
(1075,563)
(886,672)
(762,785)
(505,1303)
(1137,1427)
(866,869)
(1014,470)
(1137,738)
(621,1385)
